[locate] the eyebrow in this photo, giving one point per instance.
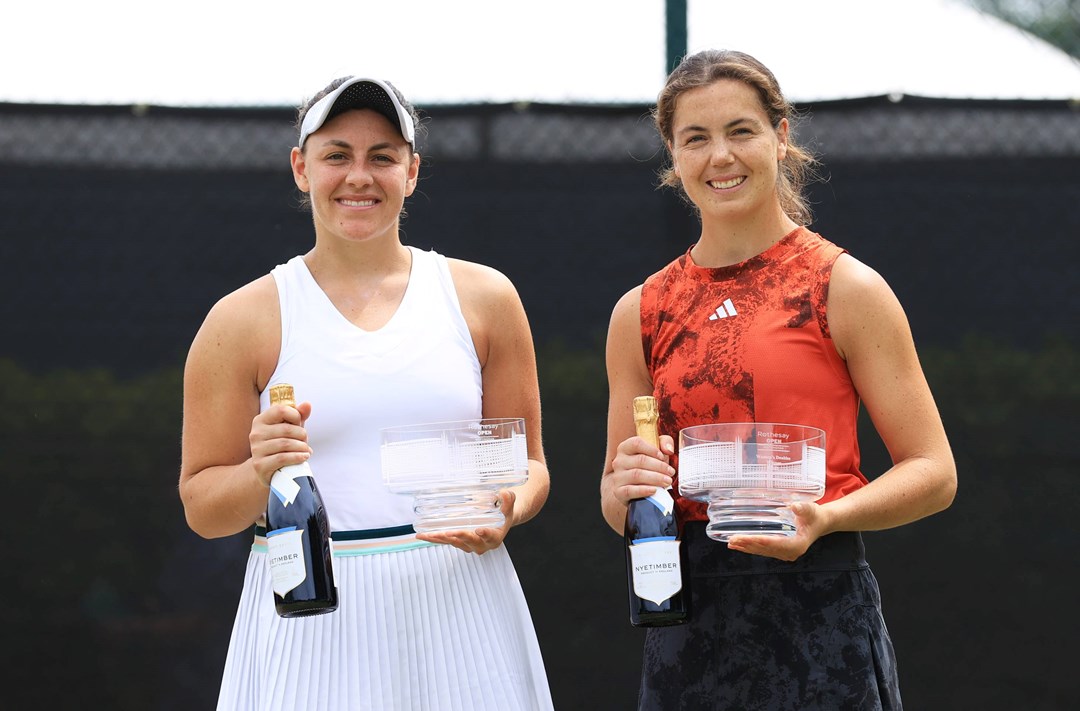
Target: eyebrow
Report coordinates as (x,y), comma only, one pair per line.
(728,125)
(386,145)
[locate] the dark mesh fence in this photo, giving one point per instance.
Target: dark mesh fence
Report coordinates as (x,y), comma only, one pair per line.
(887,128)
(152,214)
(120,227)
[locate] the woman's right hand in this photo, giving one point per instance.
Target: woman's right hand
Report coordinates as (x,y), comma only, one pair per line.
(278,439)
(638,470)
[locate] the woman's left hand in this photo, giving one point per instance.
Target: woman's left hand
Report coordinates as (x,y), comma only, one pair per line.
(480,540)
(809,526)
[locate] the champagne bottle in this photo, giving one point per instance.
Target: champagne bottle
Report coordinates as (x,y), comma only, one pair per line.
(655,570)
(298,536)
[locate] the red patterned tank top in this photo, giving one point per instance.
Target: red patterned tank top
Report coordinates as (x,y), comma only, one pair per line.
(750,342)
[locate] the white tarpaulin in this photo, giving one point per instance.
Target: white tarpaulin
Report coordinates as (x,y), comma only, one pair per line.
(270,52)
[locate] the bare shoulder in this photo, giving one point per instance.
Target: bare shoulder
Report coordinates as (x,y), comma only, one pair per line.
(862,306)
(624,328)
(478,283)
(852,278)
(624,355)
(248,309)
(492,309)
(628,306)
(242,331)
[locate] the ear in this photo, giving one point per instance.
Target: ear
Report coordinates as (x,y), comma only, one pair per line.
(674,164)
(412,175)
(299,170)
(782,139)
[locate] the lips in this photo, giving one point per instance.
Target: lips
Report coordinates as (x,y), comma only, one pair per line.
(726,184)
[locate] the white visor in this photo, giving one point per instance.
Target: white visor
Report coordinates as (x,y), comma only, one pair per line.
(359,93)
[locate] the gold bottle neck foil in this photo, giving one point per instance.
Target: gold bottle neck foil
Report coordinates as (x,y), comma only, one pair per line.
(646,415)
(282,395)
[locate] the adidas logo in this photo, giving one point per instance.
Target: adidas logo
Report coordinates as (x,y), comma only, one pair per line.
(724,310)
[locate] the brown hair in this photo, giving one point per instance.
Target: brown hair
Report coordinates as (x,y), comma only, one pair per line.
(703,68)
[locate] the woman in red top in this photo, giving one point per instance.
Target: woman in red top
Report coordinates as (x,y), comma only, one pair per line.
(807,334)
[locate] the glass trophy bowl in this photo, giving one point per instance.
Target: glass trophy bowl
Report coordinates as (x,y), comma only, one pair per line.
(454,470)
(749,473)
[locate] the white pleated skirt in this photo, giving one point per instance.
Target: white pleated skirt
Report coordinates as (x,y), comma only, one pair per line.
(422,629)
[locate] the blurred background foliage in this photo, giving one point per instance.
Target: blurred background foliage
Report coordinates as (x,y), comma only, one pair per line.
(118,602)
(1056,21)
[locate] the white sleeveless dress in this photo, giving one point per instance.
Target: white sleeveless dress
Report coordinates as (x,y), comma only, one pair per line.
(418,627)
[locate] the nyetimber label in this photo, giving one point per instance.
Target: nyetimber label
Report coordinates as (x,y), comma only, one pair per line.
(656,572)
(286,552)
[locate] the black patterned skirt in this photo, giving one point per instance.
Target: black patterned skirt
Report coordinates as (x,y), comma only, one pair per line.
(775,636)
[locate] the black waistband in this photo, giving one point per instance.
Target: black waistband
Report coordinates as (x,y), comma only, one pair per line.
(362,535)
(709,558)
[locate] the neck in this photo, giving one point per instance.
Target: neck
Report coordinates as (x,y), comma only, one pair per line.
(373,259)
(726,242)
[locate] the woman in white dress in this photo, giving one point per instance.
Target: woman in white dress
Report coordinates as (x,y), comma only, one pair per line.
(371,333)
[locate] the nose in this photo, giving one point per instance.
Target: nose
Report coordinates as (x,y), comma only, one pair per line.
(721,153)
(359,174)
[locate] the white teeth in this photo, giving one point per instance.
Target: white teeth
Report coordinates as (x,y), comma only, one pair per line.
(720,185)
(357,203)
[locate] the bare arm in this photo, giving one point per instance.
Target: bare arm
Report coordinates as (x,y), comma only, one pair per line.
(229,449)
(504,345)
(632,468)
(871,332)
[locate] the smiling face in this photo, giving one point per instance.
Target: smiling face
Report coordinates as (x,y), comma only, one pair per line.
(357,170)
(725,152)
